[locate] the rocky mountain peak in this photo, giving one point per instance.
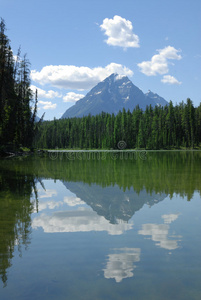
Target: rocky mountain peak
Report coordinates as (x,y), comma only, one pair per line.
(112,95)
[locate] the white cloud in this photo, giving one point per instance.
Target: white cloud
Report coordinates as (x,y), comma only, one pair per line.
(120,32)
(15,58)
(81,220)
(170,79)
(159,62)
(43,94)
(120,265)
(72,77)
(47,104)
(72,97)
(170,52)
(69,97)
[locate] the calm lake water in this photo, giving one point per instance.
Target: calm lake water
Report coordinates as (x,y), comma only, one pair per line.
(101,226)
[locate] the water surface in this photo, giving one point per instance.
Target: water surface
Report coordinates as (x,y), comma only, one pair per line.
(101,226)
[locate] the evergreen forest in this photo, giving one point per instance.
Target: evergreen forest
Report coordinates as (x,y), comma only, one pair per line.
(169,127)
(18,105)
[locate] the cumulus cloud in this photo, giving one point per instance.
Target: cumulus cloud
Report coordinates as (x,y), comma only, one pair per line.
(15,58)
(73,77)
(120,32)
(170,80)
(159,63)
(43,94)
(72,97)
(121,265)
(47,104)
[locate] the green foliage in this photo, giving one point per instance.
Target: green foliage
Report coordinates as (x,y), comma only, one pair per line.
(16,119)
(156,128)
(15,213)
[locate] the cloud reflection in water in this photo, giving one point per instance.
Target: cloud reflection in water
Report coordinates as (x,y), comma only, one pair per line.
(159,232)
(121,265)
(81,220)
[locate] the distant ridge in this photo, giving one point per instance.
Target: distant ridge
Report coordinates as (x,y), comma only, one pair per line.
(156,98)
(112,95)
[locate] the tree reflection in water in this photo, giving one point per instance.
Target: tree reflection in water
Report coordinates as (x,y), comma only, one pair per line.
(161,173)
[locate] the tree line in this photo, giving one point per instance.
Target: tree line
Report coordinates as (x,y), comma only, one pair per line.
(17,115)
(155,128)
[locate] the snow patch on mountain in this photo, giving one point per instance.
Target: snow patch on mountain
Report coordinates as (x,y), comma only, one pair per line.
(119,77)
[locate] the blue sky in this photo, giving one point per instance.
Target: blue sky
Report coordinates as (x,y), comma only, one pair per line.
(72,45)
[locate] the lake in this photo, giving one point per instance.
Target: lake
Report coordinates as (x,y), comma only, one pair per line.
(101,225)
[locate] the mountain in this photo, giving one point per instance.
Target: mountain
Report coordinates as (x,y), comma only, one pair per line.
(111,95)
(37,119)
(156,98)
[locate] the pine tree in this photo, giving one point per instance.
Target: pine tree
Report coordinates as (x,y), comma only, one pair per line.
(170,120)
(16,118)
(7,94)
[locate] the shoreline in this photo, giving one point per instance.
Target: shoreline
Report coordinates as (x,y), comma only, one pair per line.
(8,154)
(116,150)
